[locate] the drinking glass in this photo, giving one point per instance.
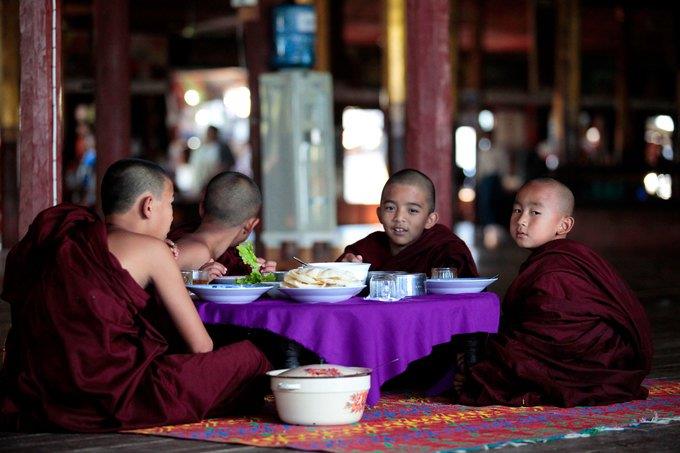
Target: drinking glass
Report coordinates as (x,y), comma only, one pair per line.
(383,287)
(196,277)
(188,277)
(444,273)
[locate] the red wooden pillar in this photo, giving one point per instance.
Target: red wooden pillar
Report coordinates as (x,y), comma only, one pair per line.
(428,98)
(9,119)
(40,134)
(257,37)
(112,78)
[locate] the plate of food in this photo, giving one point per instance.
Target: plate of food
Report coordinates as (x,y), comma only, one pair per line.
(313,295)
(311,284)
(458,285)
(229,294)
(235,279)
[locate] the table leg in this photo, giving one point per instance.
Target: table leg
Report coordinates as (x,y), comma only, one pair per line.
(473,348)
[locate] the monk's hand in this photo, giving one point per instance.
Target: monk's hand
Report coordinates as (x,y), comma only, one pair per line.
(266,266)
(173,248)
(214,268)
(352,258)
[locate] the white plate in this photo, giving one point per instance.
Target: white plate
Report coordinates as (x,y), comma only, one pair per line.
(315,295)
(458,285)
(227,280)
(229,294)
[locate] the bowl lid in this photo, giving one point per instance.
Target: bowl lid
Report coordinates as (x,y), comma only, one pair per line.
(325,370)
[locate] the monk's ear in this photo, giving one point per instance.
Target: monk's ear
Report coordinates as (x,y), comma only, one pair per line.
(250,225)
(201,209)
(565,225)
(432,220)
(146,206)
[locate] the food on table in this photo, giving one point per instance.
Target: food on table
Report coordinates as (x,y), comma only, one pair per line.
(310,276)
(247,254)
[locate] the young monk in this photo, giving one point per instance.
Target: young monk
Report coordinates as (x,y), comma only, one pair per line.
(83,353)
(413,241)
(572,332)
(229,213)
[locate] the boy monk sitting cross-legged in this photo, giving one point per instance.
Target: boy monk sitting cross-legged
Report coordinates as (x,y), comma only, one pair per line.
(88,349)
(413,241)
(572,332)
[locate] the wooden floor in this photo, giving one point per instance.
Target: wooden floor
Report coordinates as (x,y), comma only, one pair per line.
(646,255)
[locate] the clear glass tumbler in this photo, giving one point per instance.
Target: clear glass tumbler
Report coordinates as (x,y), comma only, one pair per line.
(384,287)
(444,273)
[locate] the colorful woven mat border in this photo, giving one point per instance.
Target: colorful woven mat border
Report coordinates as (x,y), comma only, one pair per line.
(417,424)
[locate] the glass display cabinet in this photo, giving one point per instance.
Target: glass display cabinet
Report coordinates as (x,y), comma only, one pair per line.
(298,158)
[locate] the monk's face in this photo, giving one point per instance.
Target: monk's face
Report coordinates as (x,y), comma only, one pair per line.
(404,213)
(163,211)
(537,216)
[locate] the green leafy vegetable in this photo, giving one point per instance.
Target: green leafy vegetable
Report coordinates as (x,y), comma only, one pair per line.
(247,254)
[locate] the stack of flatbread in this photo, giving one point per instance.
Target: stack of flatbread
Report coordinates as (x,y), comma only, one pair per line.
(318,277)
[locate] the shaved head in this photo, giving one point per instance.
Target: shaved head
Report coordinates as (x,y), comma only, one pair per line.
(231,198)
(127,179)
(411,177)
(563,194)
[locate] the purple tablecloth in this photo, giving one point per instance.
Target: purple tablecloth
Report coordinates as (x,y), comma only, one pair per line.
(366,333)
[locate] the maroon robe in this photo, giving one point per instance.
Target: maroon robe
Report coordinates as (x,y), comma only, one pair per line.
(82,356)
(436,247)
(230,258)
(572,333)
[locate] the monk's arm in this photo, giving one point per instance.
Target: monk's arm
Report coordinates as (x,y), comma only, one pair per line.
(167,279)
(192,254)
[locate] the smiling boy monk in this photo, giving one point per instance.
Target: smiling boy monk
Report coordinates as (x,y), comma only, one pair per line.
(572,332)
(229,213)
(85,352)
(413,241)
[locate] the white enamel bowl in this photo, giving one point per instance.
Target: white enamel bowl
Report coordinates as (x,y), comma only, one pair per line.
(359,270)
(321,399)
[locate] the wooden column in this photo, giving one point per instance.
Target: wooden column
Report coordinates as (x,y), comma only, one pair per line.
(622,136)
(474,69)
(533,81)
(323,40)
(395,80)
(676,134)
(428,100)
(9,119)
(454,42)
(532,55)
(257,38)
(566,95)
(40,136)
(112,80)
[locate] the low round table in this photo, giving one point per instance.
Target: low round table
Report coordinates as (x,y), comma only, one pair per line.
(365,333)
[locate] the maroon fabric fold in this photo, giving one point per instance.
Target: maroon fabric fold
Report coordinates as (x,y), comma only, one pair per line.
(436,247)
(81,355)
(230,258)
(572,333)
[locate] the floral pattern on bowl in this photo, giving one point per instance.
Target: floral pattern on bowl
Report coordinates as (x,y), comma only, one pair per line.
(357,402)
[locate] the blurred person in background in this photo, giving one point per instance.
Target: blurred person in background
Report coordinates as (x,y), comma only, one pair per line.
(209,159)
